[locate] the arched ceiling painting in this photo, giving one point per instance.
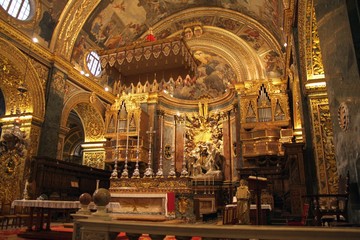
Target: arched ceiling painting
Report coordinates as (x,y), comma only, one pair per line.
(257,24)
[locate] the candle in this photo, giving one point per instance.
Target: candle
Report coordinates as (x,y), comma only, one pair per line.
(161,130)
(97,184)
(138,134)
(213,188)
(174,136)
(195,187)
(184,136)
(127,134)
(117,141)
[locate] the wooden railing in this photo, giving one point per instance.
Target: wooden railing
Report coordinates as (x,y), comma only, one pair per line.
(96,229)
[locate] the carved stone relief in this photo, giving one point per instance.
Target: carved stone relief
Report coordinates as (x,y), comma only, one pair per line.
(94,159)
(324,147)
(92,122)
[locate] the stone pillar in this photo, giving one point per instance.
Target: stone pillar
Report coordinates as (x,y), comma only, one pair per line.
(94,154)
(48,145)
(60,148)
(342,71)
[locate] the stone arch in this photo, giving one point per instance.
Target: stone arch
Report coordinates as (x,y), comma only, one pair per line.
(71,21)
(242,59)
(247,62)
(80,103)
(17,71)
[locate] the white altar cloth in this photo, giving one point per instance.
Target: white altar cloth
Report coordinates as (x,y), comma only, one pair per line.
(60,204)
(252,206)
(47,204)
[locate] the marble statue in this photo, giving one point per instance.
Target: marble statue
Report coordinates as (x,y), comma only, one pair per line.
(243,203)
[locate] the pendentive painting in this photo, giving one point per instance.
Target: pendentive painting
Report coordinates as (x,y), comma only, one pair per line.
(49,18)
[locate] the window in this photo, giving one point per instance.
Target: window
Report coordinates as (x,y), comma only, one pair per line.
(19,9)
(93,63)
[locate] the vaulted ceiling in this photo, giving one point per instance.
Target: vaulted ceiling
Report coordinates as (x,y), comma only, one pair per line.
(247,35)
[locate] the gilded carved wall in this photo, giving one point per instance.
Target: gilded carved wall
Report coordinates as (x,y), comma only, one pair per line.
(94,159)
(246,45)
(324,146)
(314,86)
(92,122)
(71,24)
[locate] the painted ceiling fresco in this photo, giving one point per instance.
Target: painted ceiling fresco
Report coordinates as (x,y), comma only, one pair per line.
(122,21)
(213,78)
(116,23)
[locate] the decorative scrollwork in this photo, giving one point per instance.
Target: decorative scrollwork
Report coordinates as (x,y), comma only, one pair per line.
(13,148)
(343,116)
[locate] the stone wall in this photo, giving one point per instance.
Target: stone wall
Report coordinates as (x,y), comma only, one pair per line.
(343,84)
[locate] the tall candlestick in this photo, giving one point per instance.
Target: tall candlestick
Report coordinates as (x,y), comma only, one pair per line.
(161,130)
(172,172)
(160,172)
(125,172)
(136,173)
(184,171)
(114,174)
(149,171)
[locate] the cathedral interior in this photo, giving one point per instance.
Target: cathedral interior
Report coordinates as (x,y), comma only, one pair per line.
(184,96)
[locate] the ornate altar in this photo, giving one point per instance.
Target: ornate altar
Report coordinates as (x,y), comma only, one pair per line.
(153,199)
(175,111)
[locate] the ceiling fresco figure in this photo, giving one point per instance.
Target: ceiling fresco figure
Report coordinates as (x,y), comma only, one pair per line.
(273,63)
(252,37)
(79,51)
(212,79)
(49,19)
(115,23)
(132,18)
(47,24)
(264,11)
